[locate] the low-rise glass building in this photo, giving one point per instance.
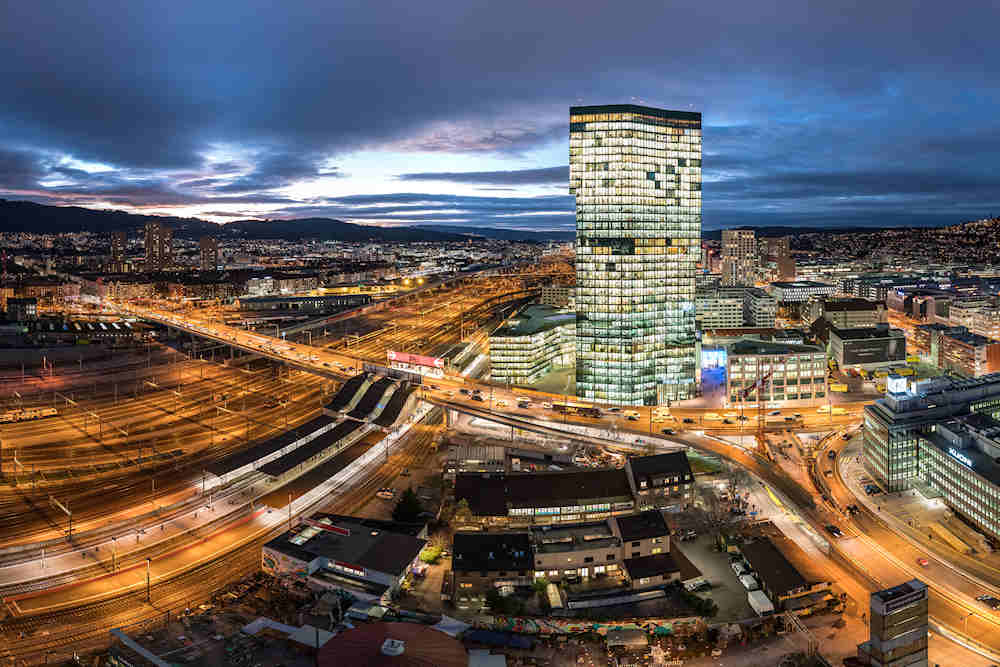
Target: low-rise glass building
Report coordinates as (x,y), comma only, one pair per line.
(797,372)
(538,340)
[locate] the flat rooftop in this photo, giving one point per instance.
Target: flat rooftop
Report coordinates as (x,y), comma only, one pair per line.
(862,333)
(533,319)
(800,284)
(752,346)
(555,539)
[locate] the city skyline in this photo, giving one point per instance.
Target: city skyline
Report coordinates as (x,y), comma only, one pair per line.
(817,116)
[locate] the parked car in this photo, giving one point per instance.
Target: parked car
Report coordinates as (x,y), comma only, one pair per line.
(477,397)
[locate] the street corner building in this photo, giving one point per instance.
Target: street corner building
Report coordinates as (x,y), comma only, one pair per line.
(636,175)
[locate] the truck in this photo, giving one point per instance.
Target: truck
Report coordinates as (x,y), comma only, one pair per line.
(760,603)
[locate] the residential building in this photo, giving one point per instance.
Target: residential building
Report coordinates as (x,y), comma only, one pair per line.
(845,313)
(545,497)
(868,347)
(926,341)
(538,340)
(119,247)
(208,248)
(909,409)
(800,291)
(897,627)
(793,372)
(776,259)
(481,561)
(557,296)
(636,174)
(159,247)
(739,257)
(334,551)
(22,309)
(969,354)
(663,481)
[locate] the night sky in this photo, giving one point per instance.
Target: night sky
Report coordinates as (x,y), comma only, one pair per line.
(424,111)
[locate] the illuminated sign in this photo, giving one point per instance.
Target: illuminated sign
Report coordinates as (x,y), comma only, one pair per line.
(896,384)
(960,457)
(415,359)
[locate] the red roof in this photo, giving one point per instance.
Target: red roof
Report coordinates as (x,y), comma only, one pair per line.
(362,647)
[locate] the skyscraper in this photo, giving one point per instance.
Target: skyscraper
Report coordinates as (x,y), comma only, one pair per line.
(636,174)
(739,257)
(159,247)
(209,248)
(119,243)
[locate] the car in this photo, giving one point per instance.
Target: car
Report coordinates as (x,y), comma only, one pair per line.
(668,431)
(831,454)
(833,530)
(633,418)
(846,436)
(688,535)
(742,418)
(738,568)
(728,421)
(614,409)
(797,415)
(385,493)
(464,392)
(774,413)
(923,562)
(547,406)
(989,601)
(501,403)
(477,397)
(405,472)
(688,420)
(789,419)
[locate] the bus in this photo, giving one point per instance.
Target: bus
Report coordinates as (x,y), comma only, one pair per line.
(577,409)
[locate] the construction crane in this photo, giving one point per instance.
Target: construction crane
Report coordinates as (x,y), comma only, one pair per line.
(758,385)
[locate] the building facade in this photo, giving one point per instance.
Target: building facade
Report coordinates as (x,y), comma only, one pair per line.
(636,174)
(845,313)
(760,309)
(739,257)
(557,296)
(119,246)
(537,341)
(159,247)
(797,372)
(867,347)
(208,248)
(898,627)
(969,354)
(719,308)
(800,290)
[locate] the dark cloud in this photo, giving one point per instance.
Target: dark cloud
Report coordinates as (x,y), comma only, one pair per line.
(787,87)
(545,175)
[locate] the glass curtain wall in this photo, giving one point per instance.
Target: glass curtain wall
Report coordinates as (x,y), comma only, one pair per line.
(636,175)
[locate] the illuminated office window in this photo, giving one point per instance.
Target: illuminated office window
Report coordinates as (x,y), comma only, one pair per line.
(636,174)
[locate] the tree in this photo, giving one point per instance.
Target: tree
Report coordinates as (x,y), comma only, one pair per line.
(408,508)
(462,512)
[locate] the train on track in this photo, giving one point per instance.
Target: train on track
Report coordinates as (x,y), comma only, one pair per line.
(26,414)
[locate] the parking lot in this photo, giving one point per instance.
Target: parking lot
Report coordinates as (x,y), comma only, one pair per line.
(727,591)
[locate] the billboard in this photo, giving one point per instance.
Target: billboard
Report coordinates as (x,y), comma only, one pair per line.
(414,359)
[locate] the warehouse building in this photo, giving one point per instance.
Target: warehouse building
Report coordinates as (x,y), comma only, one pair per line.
(867,347)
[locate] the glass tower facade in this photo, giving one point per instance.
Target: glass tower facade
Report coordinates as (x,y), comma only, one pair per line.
(636,174)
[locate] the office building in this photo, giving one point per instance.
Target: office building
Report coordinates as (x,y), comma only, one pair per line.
(926,341)
(720,308)
(326,303)
(759,308)
(636,174)
(739,257)
(159,247)
(897,627)
(800,291)
(557,296)
(797,372)
(538,340)
(209,252)
(868,347)
(845,313)
(894,423)
(119,246)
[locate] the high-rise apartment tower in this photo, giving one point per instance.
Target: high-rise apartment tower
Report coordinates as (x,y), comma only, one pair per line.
(159,247)
(636,174)
(739,257)
(209,247)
